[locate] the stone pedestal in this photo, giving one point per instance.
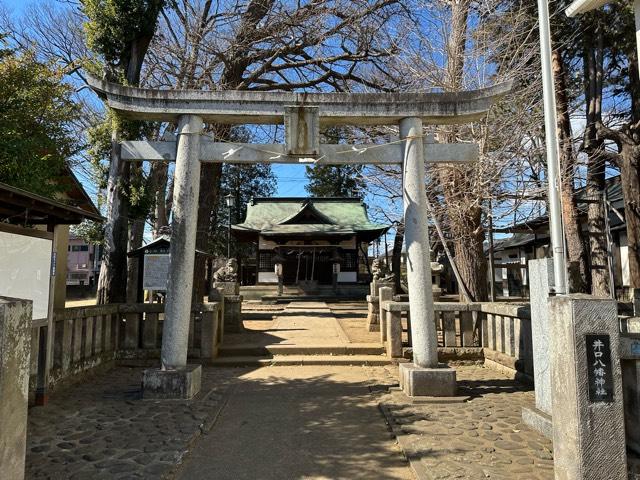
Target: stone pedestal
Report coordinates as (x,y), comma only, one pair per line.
(233,314)
(373,301)
(182,383)
(587,400)
(15,349)
(228,294)
(227,288)
(540,286)
(430,382)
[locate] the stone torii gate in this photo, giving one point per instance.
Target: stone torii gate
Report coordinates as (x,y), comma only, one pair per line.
(302,114)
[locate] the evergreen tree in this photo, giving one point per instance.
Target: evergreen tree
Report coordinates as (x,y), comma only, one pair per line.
(36,112)
(244,182)
(334,180)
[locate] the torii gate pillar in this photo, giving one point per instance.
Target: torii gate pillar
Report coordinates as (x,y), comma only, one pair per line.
(424,376)
(302,113)
(176,379)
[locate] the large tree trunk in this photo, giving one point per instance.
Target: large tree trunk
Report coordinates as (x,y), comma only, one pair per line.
(135,237)
(597,226)
(112,282)
(594,147)
(396,258)
(630,173)
(465,224)
(136,233)
(576,254)
(627,139)
(159,177)
(464,215)
(210,176)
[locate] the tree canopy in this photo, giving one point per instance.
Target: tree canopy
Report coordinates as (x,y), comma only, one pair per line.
(36,112)
(334,180)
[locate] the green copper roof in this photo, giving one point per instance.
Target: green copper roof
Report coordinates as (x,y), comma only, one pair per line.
(286,216)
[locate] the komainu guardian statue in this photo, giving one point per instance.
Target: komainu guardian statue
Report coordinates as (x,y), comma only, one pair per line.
(228,273)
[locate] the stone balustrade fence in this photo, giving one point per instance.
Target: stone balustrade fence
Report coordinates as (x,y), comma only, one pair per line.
(85,338)
(496,333)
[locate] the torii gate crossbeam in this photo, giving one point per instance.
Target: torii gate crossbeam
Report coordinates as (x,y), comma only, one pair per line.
(329,154)
(302,114)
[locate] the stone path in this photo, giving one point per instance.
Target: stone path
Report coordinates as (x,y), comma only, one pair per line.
(352,317)
(300,323)
(299,423)
(282,422)
(102,429)
(483,438)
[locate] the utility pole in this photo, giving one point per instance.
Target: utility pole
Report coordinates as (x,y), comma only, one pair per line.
(553,164)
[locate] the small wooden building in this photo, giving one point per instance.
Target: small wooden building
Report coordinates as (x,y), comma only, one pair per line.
(34,235)
(309,237)
(153,265)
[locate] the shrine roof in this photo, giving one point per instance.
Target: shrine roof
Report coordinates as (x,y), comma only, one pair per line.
(297,215)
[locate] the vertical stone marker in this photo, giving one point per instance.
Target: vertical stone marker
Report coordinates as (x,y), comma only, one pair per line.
(541,284)
(423,377)
(588,431)
(15,349)
(176,379)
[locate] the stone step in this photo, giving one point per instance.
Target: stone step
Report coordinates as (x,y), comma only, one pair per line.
(252,350)
(278,299)
(293,360)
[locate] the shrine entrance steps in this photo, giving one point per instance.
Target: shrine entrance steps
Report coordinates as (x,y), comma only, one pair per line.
(303,333)
(268,294)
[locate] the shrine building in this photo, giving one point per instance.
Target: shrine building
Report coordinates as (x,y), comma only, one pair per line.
(312,238)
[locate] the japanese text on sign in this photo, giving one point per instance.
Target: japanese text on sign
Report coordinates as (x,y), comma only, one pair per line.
(599,368)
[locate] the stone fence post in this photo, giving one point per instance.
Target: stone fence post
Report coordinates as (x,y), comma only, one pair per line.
(586,379)
(15,349)
(210,334)
(385,295)
(541,283)
(229,292)
(373,300)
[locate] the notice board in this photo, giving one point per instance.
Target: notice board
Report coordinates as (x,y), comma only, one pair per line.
(156,272)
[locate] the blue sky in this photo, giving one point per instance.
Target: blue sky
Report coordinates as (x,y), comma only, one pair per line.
(14,5)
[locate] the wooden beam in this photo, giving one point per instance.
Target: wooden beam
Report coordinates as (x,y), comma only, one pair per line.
(29,232)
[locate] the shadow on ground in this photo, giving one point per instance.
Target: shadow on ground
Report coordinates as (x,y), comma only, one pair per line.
(481,438)
(298,423)
(102,429)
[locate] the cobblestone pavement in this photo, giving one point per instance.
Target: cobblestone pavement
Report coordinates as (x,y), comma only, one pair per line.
(483,438)
(102,429)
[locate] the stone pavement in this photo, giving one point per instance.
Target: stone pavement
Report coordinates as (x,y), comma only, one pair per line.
(483,438)
(283,422)
(318,422)
(102,429)
(303,333)
(300,323)
(352,317)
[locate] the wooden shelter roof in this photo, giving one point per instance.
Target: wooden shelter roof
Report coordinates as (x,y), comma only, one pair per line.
(19,207)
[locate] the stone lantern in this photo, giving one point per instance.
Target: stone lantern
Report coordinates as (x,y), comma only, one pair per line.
(336,260)
(278,260)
